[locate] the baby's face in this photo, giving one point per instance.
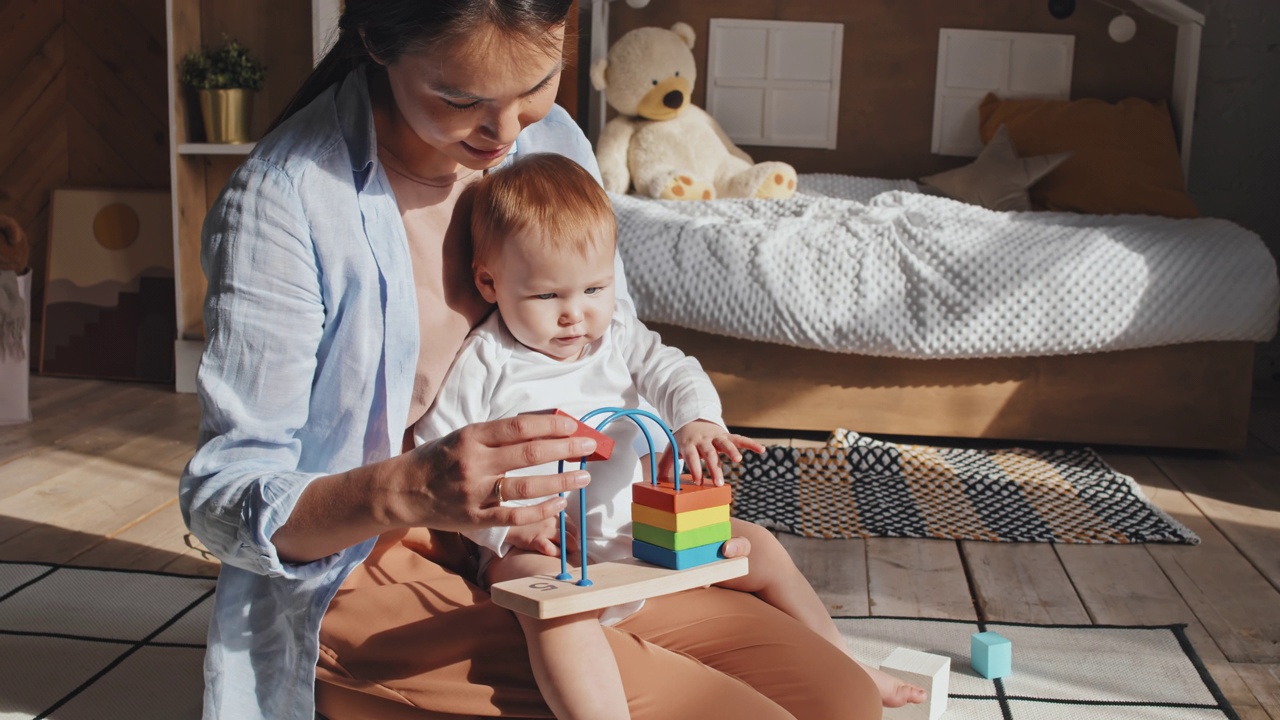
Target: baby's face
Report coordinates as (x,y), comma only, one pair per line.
(554,302)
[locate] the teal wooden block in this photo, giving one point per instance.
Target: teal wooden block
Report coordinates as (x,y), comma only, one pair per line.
(676,559)
(991,655)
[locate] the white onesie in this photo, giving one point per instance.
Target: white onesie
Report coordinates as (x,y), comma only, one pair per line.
(494,377)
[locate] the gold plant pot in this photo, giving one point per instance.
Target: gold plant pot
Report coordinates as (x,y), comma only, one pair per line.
(226,115)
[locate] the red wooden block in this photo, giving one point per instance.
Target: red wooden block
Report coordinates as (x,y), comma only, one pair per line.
(664,497)
(604,443)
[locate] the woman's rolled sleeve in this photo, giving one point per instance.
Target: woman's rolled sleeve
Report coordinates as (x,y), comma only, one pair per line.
(264,321)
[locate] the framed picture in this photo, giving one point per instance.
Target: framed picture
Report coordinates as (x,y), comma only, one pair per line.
(108,300)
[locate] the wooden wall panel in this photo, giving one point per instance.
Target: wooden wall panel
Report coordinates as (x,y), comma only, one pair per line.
(567,95)
(890,61)
(32,82)
(116,119)
(126,52)
(84,83)
(25,26)
(278,33)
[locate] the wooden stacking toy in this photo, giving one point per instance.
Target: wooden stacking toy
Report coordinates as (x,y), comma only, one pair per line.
(679,529)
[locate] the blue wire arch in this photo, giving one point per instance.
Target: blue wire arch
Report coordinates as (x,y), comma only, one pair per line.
(634,415)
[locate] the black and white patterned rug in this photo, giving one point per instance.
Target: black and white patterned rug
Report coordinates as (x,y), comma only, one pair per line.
(857,486)
(95,644)
(87,644)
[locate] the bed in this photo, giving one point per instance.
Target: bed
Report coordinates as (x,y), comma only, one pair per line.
(867,304)
(927,345)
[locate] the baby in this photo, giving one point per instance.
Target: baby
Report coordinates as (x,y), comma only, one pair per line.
(544,238)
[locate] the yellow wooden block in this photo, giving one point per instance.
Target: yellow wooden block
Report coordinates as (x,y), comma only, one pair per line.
(679,522)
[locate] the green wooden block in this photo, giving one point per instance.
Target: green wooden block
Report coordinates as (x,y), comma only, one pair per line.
(682,540)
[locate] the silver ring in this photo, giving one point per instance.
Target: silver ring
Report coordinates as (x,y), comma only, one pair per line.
(497,489)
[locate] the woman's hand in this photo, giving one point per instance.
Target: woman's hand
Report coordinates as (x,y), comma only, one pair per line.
(458,482)
(450,484)
(703,442)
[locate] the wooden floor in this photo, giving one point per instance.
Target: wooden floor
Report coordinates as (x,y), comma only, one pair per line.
(92,481)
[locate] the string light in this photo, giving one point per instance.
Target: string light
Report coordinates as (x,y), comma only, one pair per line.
(1122,28)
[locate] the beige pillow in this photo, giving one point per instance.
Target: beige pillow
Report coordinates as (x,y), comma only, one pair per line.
(998,179)
(1126,156)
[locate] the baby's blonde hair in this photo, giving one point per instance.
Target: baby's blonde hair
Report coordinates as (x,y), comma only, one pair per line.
(542,196)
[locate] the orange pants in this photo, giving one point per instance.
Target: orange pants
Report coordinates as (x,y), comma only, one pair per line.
(408,638)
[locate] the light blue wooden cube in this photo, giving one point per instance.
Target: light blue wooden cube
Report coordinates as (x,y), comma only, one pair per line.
(991,654)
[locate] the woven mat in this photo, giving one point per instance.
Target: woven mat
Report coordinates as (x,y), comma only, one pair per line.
(91,644)
(95,644)
(857,486)
(1059,672)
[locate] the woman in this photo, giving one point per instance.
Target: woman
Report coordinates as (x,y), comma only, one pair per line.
(339,292)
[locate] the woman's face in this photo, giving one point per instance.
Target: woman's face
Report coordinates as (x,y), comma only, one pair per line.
(470,99)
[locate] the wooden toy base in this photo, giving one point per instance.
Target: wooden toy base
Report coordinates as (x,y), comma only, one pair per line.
(613,583)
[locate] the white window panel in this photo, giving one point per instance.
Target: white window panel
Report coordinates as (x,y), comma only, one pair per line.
(742,113)
(774,82)
(803,55)
(959,121)
(976,63)
(972,63)
(738,54)
(807,128)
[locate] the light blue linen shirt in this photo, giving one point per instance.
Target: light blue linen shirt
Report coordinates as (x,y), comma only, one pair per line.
(312,345)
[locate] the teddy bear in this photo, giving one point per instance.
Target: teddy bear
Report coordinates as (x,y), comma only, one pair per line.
(661,142)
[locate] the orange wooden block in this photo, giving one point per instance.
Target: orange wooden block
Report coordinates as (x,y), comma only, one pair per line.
(604,443)
(663,496)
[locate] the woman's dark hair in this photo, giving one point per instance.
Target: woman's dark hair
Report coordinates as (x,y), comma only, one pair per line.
(391,28)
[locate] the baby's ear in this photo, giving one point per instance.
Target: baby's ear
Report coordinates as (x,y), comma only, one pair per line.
(485,284)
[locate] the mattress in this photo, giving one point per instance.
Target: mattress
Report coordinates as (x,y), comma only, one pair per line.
(871,266)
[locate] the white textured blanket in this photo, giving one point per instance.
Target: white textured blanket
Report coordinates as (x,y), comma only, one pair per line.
(905,274)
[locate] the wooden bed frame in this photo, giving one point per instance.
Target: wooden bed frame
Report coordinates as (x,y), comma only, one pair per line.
(1183,396)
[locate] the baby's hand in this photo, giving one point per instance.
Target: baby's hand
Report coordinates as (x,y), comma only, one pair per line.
(539,537)
(703,442)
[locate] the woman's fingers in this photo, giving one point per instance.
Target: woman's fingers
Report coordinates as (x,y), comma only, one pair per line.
(526,487)
(525,514)
(494,448)
(522,428)
(459,481)
(531,439)
(529,453)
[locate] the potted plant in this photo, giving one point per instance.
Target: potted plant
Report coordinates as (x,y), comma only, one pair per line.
(225,79)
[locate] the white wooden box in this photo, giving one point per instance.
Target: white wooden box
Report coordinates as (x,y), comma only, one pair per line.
(926,670)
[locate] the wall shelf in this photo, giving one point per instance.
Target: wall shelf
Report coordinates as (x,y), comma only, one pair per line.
(285,35)
(200,148)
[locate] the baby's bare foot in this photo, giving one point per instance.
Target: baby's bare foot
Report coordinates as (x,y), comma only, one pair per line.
(894,692)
